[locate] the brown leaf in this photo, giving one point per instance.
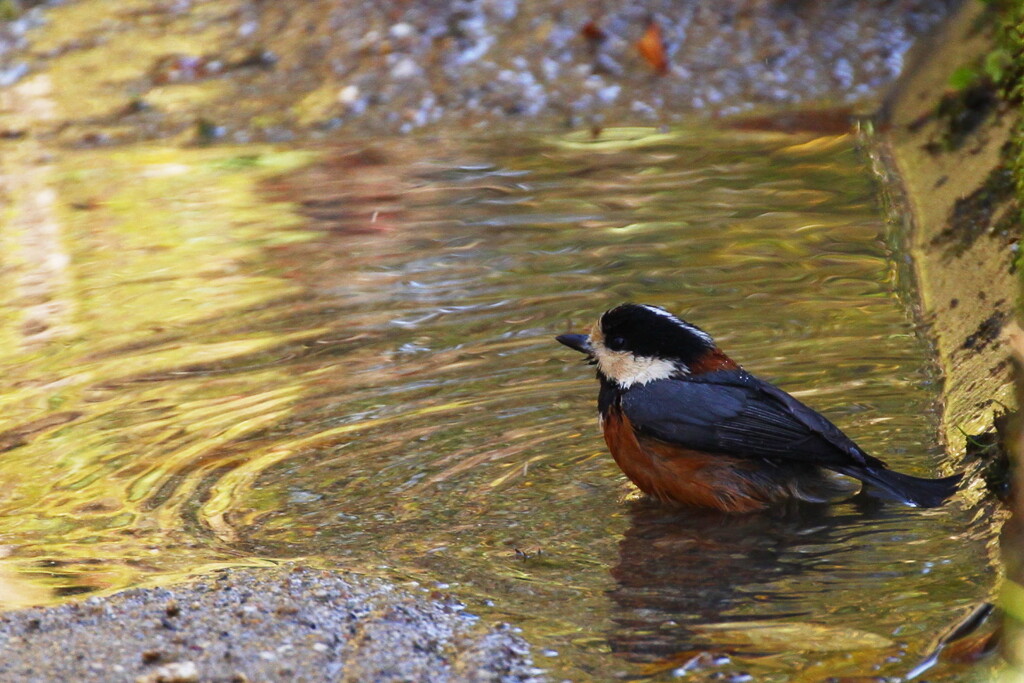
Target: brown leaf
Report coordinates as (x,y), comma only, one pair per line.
(593,33)
(652,47)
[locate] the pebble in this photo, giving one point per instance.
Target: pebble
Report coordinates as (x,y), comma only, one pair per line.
(175,672)
(404,69)
(401,31)
(348,94)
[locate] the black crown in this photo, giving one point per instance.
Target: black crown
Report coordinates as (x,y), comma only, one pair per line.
(653,332)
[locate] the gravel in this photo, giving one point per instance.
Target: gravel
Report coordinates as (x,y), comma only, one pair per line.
(261,624)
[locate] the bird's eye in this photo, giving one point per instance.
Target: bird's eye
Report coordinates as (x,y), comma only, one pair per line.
(616,343)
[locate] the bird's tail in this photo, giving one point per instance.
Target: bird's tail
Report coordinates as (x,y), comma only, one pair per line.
(916,491)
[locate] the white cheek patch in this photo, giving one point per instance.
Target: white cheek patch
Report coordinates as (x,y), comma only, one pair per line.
(626,369)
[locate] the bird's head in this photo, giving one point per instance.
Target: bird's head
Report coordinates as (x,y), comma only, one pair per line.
(636,344)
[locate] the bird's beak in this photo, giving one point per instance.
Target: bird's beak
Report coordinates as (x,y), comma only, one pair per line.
(580,342)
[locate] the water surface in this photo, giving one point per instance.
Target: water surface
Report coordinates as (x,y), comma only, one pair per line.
(243,355)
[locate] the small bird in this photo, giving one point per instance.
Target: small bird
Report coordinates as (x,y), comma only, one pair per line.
(689,426)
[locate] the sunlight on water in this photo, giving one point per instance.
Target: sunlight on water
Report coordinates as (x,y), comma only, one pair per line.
(248,356)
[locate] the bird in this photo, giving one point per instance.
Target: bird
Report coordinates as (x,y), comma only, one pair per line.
(690,427)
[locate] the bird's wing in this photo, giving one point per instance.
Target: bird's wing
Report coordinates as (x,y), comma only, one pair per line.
(732,412)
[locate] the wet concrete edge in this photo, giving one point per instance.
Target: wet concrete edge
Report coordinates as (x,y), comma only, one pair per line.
(959,212)
(944,157)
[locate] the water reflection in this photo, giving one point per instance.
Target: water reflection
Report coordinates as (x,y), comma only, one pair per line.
(683,568)
(353,362)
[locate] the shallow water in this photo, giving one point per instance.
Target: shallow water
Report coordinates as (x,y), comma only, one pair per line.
(236,357)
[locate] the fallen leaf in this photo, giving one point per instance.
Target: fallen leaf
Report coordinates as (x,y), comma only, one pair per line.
(593,33)
(652,47)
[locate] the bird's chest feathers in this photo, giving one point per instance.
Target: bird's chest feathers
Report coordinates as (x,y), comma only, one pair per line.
(674,474)
(626,450)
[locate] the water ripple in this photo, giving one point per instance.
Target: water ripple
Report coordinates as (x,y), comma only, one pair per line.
(353,362)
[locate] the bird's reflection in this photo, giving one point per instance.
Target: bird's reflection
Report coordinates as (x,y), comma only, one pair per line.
(686,567)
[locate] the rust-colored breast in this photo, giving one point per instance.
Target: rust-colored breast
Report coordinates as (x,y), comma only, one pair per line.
(686,477)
